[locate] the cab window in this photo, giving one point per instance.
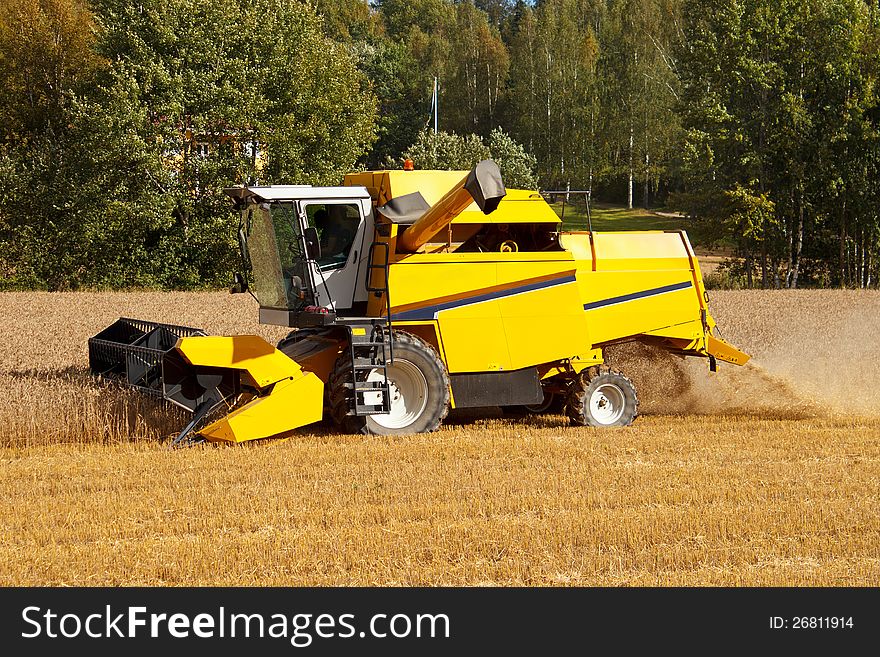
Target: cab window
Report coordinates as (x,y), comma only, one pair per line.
(337,225)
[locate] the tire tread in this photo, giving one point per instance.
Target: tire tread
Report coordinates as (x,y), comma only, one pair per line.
(576,404)
(340,401)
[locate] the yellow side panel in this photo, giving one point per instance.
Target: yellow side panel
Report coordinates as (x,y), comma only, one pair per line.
(622,304)
(495,315)
(291,404)
(251,353)
(639,282)
(429,284)
(628,251)
(473,334)
(545,324)
(474,339)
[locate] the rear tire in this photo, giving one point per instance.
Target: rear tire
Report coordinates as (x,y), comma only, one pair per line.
(602,397)
(419,391)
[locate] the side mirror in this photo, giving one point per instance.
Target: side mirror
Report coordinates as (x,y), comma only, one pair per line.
(313,243)
(239,284)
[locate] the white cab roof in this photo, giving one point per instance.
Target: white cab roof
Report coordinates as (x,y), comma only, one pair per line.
(297,192)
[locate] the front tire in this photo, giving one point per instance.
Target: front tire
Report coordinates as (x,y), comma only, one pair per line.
(602,397)
(419,391)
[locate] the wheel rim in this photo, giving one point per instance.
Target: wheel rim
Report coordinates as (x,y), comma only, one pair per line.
(409,394)
(607,404)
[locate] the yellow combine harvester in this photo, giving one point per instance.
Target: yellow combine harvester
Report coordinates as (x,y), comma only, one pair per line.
(413,292)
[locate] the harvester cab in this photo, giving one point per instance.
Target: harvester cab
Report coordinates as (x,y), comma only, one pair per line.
(315,254)
(305,248)
(413,292)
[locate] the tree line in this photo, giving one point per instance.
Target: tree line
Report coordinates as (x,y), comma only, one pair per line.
(122,121)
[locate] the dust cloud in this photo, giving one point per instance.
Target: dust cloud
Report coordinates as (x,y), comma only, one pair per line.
(814,353)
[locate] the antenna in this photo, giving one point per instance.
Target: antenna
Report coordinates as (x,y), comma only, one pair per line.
(435,103)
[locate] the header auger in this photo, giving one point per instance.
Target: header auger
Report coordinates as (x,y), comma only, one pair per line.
(413,292)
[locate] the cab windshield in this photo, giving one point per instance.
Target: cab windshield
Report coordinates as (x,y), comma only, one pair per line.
(275,249)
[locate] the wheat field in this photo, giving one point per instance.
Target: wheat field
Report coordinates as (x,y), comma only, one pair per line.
(764,475)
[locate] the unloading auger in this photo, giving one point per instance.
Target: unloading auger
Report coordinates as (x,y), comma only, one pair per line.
(413,292)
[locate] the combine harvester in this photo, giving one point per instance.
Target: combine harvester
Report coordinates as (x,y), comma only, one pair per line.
(413,292)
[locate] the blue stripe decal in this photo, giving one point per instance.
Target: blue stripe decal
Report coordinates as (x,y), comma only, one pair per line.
(638,295)
(430,312)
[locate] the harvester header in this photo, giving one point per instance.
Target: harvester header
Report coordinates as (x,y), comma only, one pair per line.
(413,292)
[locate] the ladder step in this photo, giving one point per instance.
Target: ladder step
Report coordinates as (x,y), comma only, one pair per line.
(374,361)
(366,386)
(370,351)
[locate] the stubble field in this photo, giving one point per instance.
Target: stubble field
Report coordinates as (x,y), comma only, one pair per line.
(764,475)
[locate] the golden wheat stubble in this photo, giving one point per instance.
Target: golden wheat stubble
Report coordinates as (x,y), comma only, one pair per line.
(751,477)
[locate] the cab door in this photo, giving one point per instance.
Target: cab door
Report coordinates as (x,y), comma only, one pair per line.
(340,226)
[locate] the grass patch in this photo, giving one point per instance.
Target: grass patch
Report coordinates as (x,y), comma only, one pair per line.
(615,218)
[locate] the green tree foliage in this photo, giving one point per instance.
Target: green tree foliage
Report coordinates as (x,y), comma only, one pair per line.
(553,89)
(455,43)
(254,73)
(476,77)
(122,121)
(450,151)
(195,95)
(445,150)
(779,101)
(46,51)
(592,92)
(518,166)
(638,92)
(59,225)
(349,20)
(498,11)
